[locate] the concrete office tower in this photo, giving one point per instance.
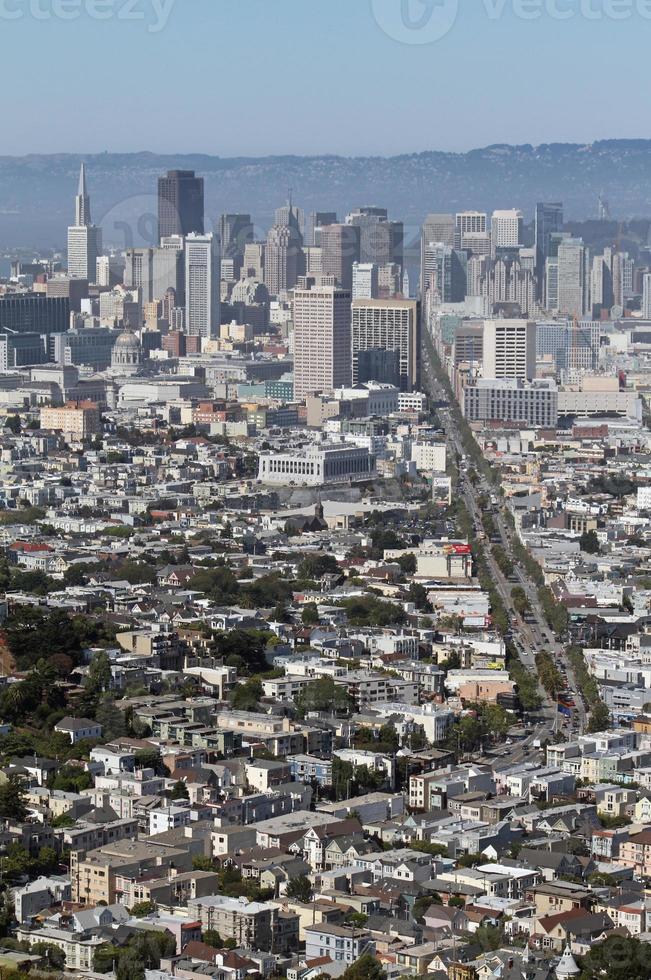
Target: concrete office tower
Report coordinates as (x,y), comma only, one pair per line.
(283,257)
(444,272)
(291,216)
(316,220)
(180,204)
(551,284)
(388,324)
(380,241)
(601,284)
(235,233)
(202,304)
(470,224)
(339,252)
(476,243)
(548,221)
(322,346)
(646,296)
(253,267)
(510,349)
(573,277)
(365,280)
(155,270)
(506,229)
(436,228)
(84,238)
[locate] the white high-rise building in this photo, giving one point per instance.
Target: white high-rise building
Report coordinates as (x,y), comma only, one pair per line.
(202,298)
(84,238)
(506,229)
(646,296)
(365,280)
(510,349)
(322,348)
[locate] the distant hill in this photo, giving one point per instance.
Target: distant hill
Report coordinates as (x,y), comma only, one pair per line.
(37,192)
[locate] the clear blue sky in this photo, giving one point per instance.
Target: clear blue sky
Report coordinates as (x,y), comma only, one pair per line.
(252,77)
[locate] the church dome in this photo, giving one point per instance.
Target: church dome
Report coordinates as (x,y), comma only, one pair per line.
(127,341)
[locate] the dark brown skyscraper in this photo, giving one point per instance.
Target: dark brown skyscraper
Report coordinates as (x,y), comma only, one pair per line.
(180,203)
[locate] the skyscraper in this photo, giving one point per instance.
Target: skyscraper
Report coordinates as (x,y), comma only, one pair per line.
(283,257)
(316,220)
(339,252)
(548,221)
(390,325)
(573,277)
(365,280)
(436,228)
(235,233)
(506,229)
(84,238)
(180,204)
(646,296)
(202,305)
(380,240)
(322,348)
(509,349)
(445,272)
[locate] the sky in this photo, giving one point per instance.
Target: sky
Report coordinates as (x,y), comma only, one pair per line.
(351,77)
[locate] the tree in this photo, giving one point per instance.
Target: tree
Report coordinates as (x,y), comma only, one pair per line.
(617,958)
(180,791)
(13,423)
(12,799)
(589,542)
(243,649)
(323,694)
(489,937)
(212,938)
(109,716)
(99,673)
(245,697)
(365,968)
(54,957)
(299,888)
(599,718)
(310,614)
(141,909)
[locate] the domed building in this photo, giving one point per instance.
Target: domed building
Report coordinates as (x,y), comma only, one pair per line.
(126,357)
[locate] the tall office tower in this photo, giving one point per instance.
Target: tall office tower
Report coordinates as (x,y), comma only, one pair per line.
(235,233)
(436,228)
(622,273)
(573,277)
(155,270)
(388,324)
(339,252)
(316,220)
(389,281)
(291,216)
(570,345)
(253,267)
(444,272)
(469,343)
(601,284)
(110,270)
(477,270)
(313,265)
(322,349)
(476,243)
(380,241)
(180,204)
(510,349)
(506,229)
(84,238)
(551,284)
(283,257)
(548,221)
(202,301)
(365,280)
(469,223)
(646,296)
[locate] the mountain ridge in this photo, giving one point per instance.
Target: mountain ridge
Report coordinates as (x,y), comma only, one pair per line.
(37,190)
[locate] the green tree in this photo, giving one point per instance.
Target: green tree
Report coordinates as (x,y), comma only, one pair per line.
(589,542)
(245,697)
(99,672)
(310,614)
(179,791)
(141,909)
(12,799)
(617,958)
(212,938)
(365,968)
(54,957)
(299,888)
(323,694)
